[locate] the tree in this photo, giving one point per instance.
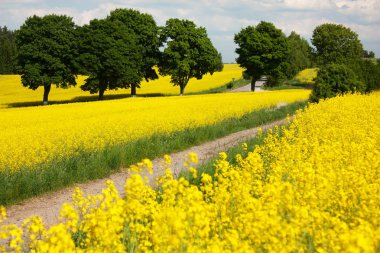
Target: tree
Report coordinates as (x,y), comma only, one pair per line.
(46,52)
(189,53)
(368,54)
(109,55)
(148,42)
(260,50)
(8,51)
(335,79)
(336,44)
(368,72)
(299,56)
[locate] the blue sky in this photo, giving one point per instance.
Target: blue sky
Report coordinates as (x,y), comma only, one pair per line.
(221,18)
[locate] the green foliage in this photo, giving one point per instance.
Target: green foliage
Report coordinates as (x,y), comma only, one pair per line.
(46,52)
(280,74)
(336,44)
(300,56)
(335,79)
(146,31)
(8,51)
(109,55)
(261,49)
(189,53)
(368,54)
(368,72)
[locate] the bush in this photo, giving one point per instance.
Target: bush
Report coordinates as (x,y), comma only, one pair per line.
(335,79)
(368,71)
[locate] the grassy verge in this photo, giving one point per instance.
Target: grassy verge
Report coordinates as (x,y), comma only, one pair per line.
(227,87)
(91,165)
(282,87)
(209,168)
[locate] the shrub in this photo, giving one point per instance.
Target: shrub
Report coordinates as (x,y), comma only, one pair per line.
(335,79)
(368,71)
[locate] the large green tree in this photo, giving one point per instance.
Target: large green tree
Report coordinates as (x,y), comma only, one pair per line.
(46,52)
(260,50)
(145,29)
(335,43)
(8,51)
(109,55)
(188,53)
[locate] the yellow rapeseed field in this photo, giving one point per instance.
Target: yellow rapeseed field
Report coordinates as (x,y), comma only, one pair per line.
(12,91)
(35,135)
(307,75)
(313,188)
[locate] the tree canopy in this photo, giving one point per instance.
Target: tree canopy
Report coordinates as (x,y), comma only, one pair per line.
(8,51)
(260,50)
(46,52)
(335,79)
(188,53)
(300,54)
(299,57)
(145,29)
(368,54)
(109,55)
(336,43)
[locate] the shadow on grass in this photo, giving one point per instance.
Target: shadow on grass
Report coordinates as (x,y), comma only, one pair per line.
(92,98)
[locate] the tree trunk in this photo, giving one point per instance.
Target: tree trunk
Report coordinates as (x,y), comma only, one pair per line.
(253,83)
(182,89)
(101,94)
(133,90)
(46,94)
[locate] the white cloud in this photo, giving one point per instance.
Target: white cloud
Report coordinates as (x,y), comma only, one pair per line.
(369,10)
(21,1)
(308,5)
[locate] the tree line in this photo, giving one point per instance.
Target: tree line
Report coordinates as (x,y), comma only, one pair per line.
(344,66)
(119,51)
(128,47)
(8,51)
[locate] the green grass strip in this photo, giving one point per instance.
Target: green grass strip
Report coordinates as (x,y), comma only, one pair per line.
(86,166)
(225,88)
(208,167)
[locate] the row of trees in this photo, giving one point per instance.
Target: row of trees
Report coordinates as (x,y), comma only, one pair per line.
(124,48)
(338,53)
(116,52)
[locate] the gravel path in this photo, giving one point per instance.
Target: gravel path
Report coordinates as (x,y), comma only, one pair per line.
(48,205)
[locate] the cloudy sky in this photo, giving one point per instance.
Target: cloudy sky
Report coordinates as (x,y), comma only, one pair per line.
(222,18)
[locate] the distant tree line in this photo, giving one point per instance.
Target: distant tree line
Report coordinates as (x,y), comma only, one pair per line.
(117,52)
(8,51)
(344,66)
